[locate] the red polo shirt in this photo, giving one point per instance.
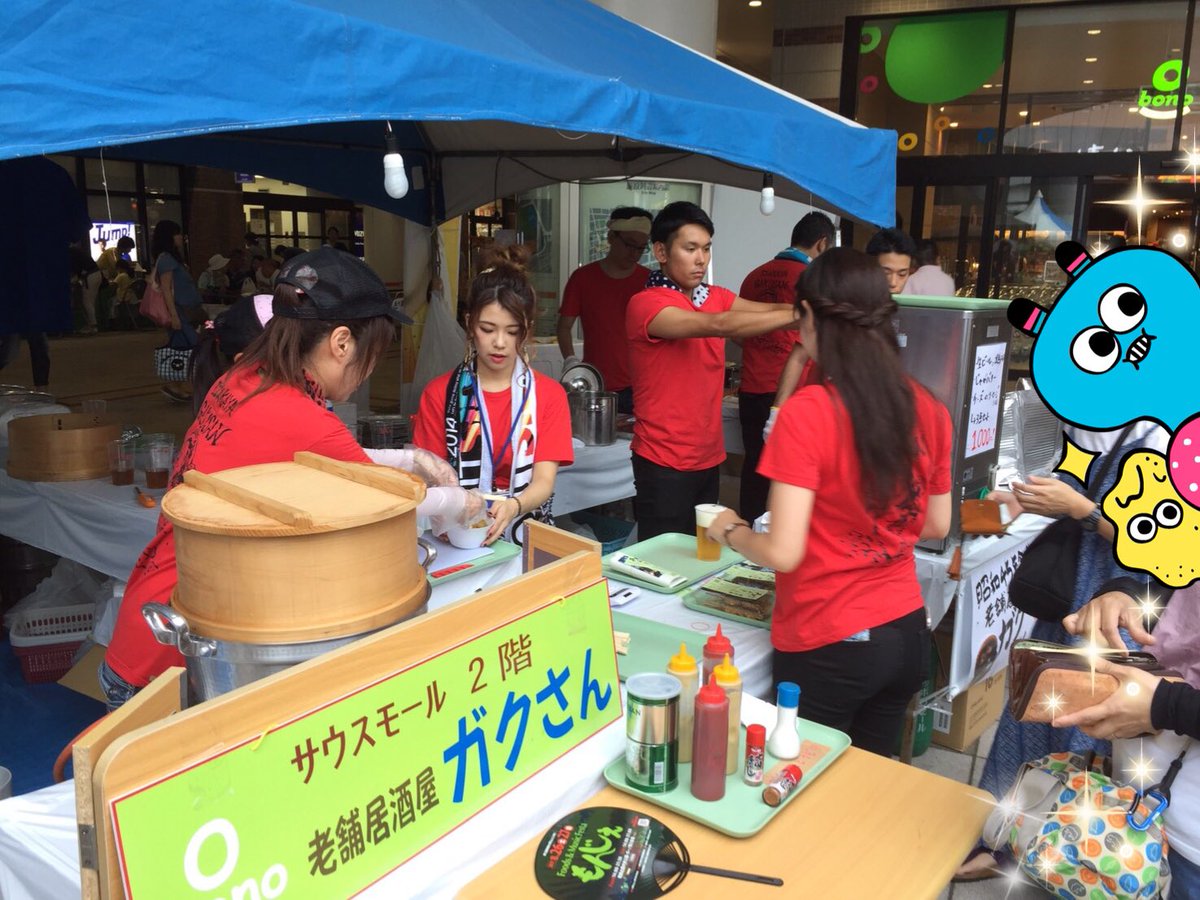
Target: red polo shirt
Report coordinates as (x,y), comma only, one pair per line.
(677,383)
(599,301)
(858,569)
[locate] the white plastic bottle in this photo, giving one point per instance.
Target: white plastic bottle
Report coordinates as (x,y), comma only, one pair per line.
(784,742)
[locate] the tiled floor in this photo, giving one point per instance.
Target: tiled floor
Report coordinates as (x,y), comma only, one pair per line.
(118,367)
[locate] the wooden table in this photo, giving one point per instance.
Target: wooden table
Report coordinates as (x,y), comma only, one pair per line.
(869,827)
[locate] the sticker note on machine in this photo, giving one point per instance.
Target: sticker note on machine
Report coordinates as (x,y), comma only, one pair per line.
(987,387)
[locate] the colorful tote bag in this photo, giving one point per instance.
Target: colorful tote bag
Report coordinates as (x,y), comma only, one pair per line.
(1080,836)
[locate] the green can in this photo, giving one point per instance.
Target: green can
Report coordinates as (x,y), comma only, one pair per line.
(652,732)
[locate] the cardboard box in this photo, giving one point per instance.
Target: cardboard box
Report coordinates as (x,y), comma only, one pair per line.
(82,677)
(970,713)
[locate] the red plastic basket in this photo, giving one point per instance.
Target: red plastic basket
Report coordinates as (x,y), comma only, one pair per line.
(45,640)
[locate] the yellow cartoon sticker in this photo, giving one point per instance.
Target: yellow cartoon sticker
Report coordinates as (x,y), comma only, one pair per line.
(1156,531)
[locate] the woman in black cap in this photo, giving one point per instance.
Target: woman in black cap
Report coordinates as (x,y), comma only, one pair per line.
(333,319)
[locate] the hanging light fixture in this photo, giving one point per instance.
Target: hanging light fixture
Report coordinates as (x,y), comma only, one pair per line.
(766,205)
(395,181)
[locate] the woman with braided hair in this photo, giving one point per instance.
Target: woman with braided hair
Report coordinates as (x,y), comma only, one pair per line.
(859,464)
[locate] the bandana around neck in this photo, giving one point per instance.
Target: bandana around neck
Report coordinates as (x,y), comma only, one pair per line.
(660,279)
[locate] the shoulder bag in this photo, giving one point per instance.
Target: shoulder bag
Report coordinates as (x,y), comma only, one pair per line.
(1044,584)
(153,304)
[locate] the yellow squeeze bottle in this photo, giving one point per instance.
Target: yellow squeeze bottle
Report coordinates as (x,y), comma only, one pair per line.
(730,681)
(683,666)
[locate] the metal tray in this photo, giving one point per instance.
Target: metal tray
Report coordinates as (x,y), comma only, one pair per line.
(741,813)
(674,553)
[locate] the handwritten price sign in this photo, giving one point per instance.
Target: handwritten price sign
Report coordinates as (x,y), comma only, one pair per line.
(987,386)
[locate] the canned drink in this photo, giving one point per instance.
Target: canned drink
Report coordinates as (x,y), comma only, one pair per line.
(782,785)
(651,732)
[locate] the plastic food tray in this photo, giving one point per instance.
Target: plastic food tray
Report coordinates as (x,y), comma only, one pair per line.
(45,640)
(695,598)
(741,813)
(501,551)
(652,643)
(674,553)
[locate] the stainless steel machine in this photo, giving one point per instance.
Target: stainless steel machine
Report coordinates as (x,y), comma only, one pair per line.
(958,348)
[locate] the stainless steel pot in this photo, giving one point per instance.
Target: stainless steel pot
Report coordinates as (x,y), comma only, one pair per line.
(215,667)
(593,416)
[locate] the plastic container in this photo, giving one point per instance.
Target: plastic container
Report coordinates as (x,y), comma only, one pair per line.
(756,751)
(612,533)
(714,652)
(45,640)
(729,680)
(683,666)
(784,742)
(709,743)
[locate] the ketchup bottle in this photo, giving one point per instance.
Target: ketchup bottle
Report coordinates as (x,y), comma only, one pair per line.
(710,743)
(716,648)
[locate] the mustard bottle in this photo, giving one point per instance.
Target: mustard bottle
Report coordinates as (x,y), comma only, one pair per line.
(730,681)
(683,666)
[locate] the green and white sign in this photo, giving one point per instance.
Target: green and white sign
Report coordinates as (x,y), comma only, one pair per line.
(328,803)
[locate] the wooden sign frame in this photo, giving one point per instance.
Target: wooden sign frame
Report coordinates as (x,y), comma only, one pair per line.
(132,759)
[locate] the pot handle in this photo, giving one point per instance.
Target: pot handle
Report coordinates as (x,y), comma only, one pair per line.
(170,628)
(430,553)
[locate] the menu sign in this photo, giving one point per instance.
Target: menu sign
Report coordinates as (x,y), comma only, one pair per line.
(328,803)
(987,384)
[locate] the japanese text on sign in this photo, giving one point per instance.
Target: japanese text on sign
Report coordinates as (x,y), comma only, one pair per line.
(376,776)
(987,385)
(995,623)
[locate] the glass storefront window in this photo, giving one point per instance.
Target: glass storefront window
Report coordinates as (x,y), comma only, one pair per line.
(597,201)
(121,175)
(124,209)
(537,219)
(1102,82)
(953,217)
(161,179)
(157,210)
(936,80)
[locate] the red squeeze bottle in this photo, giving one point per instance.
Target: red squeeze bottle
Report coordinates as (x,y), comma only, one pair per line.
(710,742)
(713,654)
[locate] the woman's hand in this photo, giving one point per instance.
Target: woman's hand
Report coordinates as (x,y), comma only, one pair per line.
(725,518)
(1099,619)
(1051,497)
(501,514)
(1126,713)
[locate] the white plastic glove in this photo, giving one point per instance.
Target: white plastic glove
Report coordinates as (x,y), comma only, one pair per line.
(770,422)
(447,505)
(431,469)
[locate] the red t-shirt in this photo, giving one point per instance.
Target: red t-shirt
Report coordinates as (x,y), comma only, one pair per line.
(553,424)
(229,431)
(677,384)
(763,356)
(600,302)
(858,570)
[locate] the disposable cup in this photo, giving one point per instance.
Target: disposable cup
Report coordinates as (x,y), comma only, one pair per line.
(121,454)
(706,549)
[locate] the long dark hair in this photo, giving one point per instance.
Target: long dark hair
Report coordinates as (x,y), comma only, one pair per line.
(222,340)
(279,353)
(163,239)
(504,281)
(859,357)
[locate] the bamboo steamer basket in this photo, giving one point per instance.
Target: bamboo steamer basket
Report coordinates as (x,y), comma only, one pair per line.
(60,446)
(296,551)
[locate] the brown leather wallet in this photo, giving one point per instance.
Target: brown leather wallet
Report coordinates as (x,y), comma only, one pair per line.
(1050,680)
(980,517)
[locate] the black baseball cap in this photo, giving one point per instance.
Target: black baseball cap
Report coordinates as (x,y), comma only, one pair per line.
(340,286)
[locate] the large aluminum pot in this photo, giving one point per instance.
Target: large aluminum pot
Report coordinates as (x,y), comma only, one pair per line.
(593,417)
(215,667)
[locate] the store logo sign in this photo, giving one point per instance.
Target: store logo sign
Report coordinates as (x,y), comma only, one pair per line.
(1159,101)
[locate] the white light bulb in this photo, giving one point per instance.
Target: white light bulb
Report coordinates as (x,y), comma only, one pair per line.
(395,181)
(766,205)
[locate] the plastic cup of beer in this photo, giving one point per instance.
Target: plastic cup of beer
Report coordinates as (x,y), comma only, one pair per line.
(707,550)
(159,456)
(120,460)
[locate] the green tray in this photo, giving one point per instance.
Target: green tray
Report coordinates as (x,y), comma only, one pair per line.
(652,644)
(741,813)
(693,599)
(502,551)
(675,553)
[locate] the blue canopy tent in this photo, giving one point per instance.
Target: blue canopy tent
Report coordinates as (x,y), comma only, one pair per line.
(487,98)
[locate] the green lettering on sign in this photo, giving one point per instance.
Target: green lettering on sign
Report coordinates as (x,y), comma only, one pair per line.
(330,802)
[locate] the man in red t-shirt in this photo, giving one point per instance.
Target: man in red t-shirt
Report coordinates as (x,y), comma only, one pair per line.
(676,329)
(763,357)
(599,293)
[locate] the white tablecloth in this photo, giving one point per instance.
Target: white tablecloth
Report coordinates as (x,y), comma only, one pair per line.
(598,475)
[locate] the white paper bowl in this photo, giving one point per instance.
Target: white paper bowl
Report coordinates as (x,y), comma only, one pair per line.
(466,538)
